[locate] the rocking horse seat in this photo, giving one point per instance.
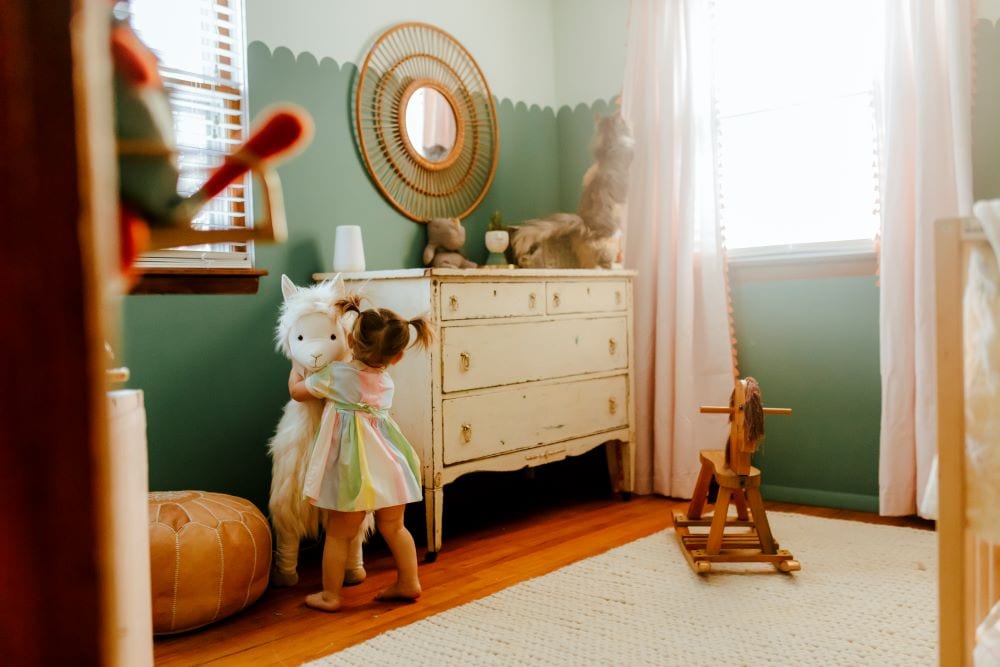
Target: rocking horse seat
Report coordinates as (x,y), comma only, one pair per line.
(725,475)
(739,484)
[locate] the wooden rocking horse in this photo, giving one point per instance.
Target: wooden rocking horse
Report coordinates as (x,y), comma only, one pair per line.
(739,483)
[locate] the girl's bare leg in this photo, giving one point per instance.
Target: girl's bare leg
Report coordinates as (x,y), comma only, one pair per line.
(341,528)
(390,524)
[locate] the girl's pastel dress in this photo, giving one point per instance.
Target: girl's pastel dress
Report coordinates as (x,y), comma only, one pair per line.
(360,460)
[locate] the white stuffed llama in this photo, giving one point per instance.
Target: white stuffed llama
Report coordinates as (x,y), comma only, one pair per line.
(308,321)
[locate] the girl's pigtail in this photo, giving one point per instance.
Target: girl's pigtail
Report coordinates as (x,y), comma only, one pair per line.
(350,304)
(425,332)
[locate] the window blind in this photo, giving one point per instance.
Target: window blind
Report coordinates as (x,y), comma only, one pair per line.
(795,86)
(200,46)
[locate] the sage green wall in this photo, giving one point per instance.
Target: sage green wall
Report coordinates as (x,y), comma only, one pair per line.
(813,346)
(214,385)
(575,132)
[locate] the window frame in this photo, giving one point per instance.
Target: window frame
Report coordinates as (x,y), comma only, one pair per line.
(825,259)
(199,276)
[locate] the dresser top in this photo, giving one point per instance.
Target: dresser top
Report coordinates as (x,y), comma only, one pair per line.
(480,273)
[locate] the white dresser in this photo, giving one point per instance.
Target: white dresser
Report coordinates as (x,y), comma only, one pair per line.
(529,366)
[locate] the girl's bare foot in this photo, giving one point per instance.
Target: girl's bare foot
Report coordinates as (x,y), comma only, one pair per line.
(400,591)
(323,601)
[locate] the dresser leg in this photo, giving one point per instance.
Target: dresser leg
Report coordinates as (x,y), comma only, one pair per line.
(433,506)
(620,466)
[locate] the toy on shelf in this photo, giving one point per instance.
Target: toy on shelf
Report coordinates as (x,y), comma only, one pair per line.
(153,213)
(591,237)
(445,238)
(739,483)
(309,317)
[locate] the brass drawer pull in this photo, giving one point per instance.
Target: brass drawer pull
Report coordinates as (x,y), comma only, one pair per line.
(466,360)
(453,302)
(612,346)
(545,455)
(618,297)
(467,433)
(531,301)
(556,300)
(612,405)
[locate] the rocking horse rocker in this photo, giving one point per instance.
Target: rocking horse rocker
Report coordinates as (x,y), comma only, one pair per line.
(739,483)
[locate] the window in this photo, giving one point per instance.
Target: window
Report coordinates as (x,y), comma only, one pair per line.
(795,93)
(200,46)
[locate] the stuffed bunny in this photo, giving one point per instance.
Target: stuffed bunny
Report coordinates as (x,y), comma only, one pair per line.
(445,238)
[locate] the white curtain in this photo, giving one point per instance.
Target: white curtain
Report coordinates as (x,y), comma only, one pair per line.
(683,353)
(926,174)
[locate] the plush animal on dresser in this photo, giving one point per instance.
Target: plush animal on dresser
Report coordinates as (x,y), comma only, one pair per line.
(592,236)
(445,238)
(311,335)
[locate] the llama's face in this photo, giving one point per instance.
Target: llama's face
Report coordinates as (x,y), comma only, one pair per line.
(317,339)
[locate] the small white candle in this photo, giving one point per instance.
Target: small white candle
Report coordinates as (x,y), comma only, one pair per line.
(348,249)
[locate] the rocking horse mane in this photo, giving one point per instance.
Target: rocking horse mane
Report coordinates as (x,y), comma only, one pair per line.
(753,412)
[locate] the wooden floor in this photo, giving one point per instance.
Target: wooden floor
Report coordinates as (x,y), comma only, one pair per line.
(542,525)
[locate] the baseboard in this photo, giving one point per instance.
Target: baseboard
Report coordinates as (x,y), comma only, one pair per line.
(847,501)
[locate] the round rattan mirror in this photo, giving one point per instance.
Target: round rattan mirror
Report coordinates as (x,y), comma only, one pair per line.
(425,123)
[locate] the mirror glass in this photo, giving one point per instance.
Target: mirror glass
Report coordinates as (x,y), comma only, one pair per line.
(425,123)
(430,124)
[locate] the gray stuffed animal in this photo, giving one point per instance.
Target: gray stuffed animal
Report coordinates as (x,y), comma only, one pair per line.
(445,238)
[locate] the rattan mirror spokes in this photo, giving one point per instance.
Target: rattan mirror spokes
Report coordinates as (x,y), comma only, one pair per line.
(425,123)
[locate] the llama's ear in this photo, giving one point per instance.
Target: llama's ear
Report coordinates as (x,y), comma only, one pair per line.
(288,288)
(338,283)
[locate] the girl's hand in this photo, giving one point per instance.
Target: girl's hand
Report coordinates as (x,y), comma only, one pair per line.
(297,385)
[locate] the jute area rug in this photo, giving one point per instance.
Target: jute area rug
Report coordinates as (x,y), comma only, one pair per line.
(866,595)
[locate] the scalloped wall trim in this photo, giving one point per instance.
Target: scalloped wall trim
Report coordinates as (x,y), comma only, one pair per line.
(510,104)
(512,41)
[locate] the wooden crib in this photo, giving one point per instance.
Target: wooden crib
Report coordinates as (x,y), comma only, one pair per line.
(969,567)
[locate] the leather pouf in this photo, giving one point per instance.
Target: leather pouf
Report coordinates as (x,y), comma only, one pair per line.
(210,555)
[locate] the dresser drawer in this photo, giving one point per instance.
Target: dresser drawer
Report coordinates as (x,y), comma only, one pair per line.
(492,355)
(465,301)
(506,421)
(585,297)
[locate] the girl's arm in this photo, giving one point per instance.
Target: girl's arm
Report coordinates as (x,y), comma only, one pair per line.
(297,384)
(320,383)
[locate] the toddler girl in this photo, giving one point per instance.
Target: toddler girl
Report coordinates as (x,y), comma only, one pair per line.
(361,461)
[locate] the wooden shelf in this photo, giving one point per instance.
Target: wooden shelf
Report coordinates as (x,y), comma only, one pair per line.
(198,281)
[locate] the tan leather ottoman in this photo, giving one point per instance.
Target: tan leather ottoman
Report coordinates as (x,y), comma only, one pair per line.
(210,555)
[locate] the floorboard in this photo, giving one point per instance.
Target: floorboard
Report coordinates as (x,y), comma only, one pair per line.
(500,529)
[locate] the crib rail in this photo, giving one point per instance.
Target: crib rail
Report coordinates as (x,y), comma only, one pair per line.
(969,567)
(985,577)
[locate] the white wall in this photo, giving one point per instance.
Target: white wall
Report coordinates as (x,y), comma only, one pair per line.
(589,49)
(545,52)
(988,9)
(512,41)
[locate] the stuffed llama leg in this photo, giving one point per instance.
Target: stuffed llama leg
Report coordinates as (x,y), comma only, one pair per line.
(354,570)
(293,517)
